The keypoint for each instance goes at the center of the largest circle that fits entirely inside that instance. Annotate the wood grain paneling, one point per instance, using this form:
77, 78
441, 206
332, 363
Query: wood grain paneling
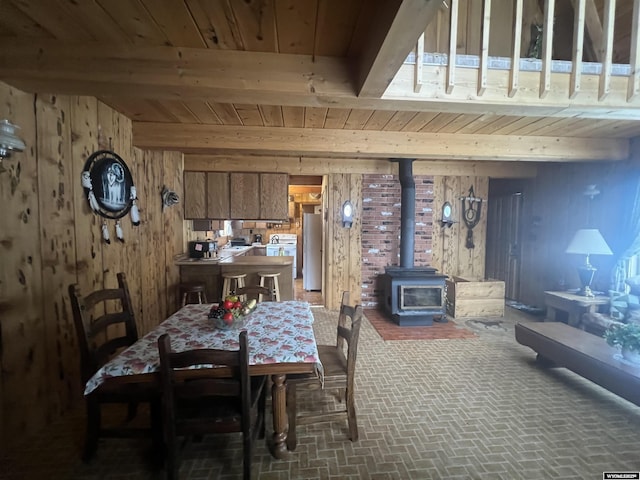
218, 195
195, 185
343, 250
55, 184
24, 381
174, 229
245, 195
49, 239
273, 200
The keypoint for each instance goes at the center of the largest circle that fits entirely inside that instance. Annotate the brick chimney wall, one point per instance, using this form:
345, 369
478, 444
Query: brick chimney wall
381, 228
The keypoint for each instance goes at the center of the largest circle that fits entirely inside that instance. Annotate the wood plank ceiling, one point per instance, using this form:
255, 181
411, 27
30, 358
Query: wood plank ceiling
316, 28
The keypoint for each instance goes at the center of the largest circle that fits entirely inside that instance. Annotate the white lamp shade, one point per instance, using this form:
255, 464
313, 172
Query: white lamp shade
588, 241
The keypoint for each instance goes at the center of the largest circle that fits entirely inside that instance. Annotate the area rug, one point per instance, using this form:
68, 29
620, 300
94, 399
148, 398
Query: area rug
388, 330
530, 309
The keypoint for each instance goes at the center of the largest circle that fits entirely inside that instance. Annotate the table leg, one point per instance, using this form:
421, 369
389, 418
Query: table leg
575, 315
551, 314
280, 420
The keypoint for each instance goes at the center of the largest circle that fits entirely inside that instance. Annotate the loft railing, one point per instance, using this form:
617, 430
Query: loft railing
472, 28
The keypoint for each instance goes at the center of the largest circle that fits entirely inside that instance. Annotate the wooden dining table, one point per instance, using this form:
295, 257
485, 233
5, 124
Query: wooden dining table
281, 342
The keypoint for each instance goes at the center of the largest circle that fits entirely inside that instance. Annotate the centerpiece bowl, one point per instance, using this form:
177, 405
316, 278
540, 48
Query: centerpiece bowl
231, 313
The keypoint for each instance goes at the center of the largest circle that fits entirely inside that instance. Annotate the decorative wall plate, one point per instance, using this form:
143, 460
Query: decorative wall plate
108, 180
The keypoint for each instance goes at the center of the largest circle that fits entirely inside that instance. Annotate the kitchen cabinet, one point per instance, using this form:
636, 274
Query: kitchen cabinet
235, 196
195, 195
206, 195
274, 196
218, 195
245, 195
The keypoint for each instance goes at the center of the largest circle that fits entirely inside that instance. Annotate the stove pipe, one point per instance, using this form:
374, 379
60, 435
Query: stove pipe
407, 212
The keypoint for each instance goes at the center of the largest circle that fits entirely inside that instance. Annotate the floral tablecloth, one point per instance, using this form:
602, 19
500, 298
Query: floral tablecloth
278, 332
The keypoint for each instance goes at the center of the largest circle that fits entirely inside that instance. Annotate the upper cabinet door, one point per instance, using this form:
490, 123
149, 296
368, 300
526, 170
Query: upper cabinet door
274, 191
218, 195
244, 195
194, 195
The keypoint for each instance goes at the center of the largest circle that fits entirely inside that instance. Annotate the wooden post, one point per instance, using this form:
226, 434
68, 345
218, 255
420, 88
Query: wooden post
547, 47
607, 48
418, 71
514, 74
578, 47
453, 40
634, 56
484, 50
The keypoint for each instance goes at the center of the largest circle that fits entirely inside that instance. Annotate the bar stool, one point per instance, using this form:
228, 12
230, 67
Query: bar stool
273, 280
193, 291
232, 281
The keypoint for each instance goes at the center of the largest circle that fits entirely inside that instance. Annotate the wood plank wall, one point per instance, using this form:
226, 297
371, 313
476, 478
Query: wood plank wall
449, 252
49, 239
342, 246
555, 208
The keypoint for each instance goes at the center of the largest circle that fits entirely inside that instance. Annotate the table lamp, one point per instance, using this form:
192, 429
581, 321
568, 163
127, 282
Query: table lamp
588, 241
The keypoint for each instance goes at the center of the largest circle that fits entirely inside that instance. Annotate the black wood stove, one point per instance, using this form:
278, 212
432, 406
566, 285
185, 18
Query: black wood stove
413, 296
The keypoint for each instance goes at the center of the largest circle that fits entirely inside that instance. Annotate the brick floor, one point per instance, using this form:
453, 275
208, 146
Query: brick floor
389, 330
471, 408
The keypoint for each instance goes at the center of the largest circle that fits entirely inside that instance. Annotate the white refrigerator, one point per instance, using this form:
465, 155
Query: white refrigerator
312, 251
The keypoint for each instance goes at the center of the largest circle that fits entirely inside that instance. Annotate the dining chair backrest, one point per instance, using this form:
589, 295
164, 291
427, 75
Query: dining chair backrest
226, 375
94, 318
256, 292
339, 374
218, 396
342, 319
350, 335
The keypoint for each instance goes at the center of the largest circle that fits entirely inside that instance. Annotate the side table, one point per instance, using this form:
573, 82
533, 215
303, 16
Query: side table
575, 305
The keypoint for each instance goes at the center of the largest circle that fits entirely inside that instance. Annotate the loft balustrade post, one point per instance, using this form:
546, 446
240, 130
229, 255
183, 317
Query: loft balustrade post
484, 49
453, 41
634, 56
604, 86
578, 48
418, 80
547, 47
514, 73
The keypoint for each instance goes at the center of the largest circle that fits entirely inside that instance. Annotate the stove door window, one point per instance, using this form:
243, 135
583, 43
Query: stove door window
420, 297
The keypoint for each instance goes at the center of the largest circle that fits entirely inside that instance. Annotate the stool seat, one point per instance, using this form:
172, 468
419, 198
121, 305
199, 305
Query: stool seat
193, 291
272, 277
231, 282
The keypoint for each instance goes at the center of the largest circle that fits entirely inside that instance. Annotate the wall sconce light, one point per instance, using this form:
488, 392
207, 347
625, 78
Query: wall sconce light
9, 142
347, 214
447, 215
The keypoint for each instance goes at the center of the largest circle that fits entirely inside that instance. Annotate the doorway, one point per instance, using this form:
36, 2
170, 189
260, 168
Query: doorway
305, 197
504, 233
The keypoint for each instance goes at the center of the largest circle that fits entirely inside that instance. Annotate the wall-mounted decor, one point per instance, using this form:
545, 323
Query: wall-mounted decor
109, 187
471, 211
169, 197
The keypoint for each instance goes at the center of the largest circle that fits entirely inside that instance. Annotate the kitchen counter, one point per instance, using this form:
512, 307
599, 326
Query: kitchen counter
210, 271
257, 260
223, 255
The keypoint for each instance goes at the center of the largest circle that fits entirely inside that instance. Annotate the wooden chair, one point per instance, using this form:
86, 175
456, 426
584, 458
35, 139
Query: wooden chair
223, 399
256, 291
94, 324
339, 372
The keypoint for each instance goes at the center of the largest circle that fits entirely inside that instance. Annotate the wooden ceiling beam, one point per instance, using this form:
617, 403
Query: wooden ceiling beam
254, 78
196, 138
324, 166
392, 34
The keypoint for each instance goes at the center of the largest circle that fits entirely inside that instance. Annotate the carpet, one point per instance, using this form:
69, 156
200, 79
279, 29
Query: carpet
530, 309
388, 330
